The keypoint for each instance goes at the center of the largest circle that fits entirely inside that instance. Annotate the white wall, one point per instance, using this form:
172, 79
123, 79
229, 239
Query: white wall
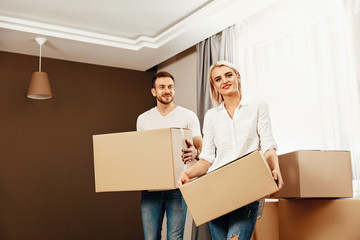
183, 68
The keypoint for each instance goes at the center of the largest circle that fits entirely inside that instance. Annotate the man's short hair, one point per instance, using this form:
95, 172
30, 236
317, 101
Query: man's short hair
160, 75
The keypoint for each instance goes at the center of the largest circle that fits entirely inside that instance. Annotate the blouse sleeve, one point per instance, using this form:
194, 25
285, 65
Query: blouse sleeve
264, 128
208, 148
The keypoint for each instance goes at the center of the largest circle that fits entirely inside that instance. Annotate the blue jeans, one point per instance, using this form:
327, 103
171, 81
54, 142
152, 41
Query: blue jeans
153, 207
239, 222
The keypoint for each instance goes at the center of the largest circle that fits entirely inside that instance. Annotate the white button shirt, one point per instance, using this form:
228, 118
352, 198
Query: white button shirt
227, 139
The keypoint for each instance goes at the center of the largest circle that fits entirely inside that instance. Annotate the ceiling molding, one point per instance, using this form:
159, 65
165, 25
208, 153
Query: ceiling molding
141, 53
57, 31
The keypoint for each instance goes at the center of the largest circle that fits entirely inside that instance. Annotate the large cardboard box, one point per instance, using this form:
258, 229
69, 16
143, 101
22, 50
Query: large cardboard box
144, 160
316, 174
228, 188
319, 219
267, 227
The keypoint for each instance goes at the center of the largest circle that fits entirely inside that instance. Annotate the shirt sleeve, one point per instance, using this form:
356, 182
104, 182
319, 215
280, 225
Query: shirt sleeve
208, 148
138, 124
194, 125
264, 128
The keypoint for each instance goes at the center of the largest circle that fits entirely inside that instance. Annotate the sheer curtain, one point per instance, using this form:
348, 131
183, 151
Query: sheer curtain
303, 58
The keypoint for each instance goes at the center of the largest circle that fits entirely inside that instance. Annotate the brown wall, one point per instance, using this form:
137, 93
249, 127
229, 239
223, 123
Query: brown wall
46, 159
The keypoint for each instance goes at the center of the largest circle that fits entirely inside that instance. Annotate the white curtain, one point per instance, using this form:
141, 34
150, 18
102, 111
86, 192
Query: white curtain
303, 58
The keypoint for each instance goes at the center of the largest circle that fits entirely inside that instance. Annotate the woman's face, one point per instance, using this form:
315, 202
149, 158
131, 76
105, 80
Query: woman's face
225, 80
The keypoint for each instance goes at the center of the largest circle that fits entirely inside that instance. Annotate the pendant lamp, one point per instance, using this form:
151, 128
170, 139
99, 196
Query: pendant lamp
39, 87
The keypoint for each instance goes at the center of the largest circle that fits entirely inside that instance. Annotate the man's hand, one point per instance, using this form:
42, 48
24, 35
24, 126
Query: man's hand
190, 153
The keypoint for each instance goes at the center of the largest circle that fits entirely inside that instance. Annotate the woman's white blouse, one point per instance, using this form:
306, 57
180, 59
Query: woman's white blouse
227, 139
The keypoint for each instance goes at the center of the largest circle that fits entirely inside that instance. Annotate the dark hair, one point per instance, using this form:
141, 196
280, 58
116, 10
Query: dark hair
160, 75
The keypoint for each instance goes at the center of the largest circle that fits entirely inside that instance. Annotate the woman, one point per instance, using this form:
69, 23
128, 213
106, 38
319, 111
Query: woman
234, 128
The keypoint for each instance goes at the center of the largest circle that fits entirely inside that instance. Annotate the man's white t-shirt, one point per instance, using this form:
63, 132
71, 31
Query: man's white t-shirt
178, 118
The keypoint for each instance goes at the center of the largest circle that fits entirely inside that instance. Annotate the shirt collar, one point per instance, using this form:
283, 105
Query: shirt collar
243, 102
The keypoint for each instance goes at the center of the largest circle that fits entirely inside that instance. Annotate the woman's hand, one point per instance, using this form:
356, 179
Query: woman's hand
190, 153
199, 168
273, 161
183, 178
278, 179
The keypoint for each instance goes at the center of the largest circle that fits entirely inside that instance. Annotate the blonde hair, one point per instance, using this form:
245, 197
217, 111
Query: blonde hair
215, 96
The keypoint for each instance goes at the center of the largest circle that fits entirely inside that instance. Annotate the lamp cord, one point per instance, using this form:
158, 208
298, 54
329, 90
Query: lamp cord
40, 59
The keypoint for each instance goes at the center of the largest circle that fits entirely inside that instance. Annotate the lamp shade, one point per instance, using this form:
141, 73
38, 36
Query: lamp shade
39, 86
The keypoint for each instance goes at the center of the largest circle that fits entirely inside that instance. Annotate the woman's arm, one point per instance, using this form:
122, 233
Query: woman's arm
267, 142
273, 161
196, 170
208, 152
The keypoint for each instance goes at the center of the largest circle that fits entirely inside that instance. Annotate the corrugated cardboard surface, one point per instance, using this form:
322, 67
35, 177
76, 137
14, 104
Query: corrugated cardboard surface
141, 160
290, 171
316, 174
267, 227
228, 188
178, 143
319, 219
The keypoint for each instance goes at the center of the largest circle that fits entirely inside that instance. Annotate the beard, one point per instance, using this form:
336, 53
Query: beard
165, 100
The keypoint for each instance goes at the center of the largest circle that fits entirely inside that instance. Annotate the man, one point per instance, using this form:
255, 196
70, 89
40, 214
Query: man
166, 115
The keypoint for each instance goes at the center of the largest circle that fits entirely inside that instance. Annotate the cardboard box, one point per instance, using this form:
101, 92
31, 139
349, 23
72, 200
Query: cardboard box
267, 227
252, 237
144, 160
319, 219
228, 188
316, 174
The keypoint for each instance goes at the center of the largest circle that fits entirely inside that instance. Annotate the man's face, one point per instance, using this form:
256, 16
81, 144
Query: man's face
164, 90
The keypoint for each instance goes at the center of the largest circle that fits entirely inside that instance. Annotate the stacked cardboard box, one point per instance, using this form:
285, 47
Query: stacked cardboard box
315, 202
316, 174
319, 219
267, 227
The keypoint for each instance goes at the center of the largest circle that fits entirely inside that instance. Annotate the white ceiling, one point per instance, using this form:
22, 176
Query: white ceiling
133, 34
